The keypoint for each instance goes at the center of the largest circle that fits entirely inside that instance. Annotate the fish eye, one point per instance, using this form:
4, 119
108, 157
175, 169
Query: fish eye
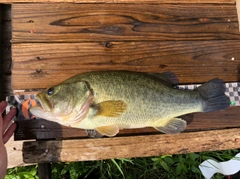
50, 91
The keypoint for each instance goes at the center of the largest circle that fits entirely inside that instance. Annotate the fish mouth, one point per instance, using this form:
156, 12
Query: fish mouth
45, 103
82, 113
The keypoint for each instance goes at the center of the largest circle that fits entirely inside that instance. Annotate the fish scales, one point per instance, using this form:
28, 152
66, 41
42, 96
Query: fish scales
113, 100
141, 94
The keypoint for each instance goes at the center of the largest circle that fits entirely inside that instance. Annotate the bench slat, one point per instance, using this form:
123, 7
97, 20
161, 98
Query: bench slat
127, 147
123, 22
121, 1
39, 65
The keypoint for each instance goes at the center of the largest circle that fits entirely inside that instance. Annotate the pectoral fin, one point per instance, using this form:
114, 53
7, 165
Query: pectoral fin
174, 126
111, 108
110, 131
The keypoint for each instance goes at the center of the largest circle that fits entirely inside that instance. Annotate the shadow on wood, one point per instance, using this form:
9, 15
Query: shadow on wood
41, 129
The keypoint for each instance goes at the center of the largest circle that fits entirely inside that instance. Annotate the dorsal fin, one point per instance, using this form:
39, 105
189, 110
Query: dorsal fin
168, 77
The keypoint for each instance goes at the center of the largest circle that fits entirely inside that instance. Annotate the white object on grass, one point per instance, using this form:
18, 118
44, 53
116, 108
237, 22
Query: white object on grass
210, 167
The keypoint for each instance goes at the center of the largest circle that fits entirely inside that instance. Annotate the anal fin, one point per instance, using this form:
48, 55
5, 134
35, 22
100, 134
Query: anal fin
174, 126
110, 131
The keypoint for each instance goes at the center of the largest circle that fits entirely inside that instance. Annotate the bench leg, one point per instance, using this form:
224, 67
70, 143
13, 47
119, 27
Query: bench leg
44, 171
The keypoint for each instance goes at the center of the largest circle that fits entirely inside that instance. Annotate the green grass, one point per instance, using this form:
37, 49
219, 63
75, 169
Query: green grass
166, 167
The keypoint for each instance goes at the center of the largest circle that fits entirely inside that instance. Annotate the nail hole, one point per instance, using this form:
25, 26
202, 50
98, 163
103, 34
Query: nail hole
39, 70
237, 140
38, 58
108, 44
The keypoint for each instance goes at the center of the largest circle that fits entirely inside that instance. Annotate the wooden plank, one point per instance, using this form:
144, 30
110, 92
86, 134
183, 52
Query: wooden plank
121, 1
6, 80
42, 129
128, 147
6, 47
6, 13
238, 11
14, 151
123, 22
42, 65
44, 171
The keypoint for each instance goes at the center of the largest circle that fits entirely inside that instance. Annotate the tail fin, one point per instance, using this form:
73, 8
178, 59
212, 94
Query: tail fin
213, 93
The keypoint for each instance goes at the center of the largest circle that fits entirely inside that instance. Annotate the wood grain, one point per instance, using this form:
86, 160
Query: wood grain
39, 65
128, 147
121, 1
238, 11
14, 151
123, 22
42, 129
44, 171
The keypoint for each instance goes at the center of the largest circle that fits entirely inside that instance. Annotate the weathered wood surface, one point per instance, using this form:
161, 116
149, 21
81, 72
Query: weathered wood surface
40, 65
14, 151
44, 171
122, 1
123, 22
52, 42
133, 146
42, 129
238, 11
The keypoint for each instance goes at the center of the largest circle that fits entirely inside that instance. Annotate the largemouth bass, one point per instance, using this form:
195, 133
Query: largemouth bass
113, 100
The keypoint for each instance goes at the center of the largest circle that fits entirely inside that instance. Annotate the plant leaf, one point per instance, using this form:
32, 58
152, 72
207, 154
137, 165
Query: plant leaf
119, 168
163, 164
178, 169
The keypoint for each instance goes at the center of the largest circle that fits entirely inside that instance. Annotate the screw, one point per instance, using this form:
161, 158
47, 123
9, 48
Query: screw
46, 151
107, 44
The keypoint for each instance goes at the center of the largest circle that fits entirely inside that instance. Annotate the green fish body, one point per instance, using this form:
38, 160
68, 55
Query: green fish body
114, 100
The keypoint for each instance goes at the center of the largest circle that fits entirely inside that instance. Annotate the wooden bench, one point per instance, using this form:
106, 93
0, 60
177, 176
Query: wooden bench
196, 40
